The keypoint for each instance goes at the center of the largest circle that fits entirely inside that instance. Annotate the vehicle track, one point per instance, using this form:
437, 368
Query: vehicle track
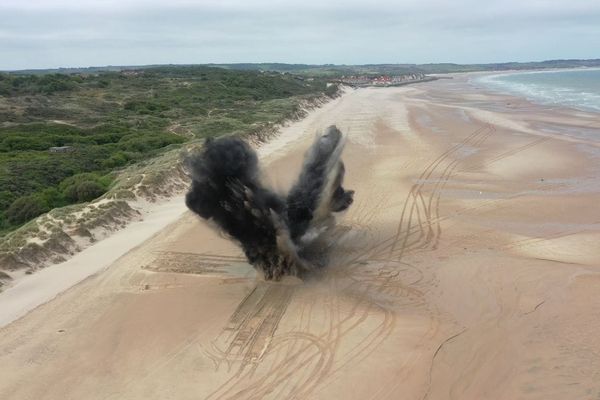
366, 279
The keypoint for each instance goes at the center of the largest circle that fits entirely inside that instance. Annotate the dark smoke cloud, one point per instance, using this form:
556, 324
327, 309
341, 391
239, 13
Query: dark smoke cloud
276, 232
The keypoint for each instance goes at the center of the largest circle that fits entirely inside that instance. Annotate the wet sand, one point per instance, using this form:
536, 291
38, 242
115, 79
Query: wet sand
467, 268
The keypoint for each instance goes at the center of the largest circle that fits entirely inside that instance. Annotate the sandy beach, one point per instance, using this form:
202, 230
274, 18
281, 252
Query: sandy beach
467, 268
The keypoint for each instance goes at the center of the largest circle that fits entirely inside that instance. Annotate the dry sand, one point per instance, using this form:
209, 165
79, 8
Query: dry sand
468, 268
29, 291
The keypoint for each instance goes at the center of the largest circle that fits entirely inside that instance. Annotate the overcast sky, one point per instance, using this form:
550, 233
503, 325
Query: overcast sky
70, 33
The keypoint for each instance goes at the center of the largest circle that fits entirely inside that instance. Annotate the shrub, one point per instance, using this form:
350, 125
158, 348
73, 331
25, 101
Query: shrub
89, 190
53, 198
25, 208
118, 159
83, 187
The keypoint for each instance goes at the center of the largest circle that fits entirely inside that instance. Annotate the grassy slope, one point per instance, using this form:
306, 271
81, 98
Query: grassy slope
195, 102
113, 120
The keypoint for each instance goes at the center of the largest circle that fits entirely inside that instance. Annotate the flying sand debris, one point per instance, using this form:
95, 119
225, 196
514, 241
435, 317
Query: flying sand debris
280, 235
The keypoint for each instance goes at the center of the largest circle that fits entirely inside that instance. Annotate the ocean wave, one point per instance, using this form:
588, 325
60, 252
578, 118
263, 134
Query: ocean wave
574, 88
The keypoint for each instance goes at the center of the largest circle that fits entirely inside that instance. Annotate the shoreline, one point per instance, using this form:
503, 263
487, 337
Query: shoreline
28, 291
552, 125
467, 267
488, 82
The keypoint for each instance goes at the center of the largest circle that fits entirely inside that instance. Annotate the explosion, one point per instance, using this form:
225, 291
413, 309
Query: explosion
277, 233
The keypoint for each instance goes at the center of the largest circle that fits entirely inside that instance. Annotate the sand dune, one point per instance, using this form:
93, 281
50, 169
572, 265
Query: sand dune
467, 268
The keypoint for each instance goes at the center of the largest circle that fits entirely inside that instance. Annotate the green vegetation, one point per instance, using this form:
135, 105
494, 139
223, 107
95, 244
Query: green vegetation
336, 70
332, 70
45, 84
63, 136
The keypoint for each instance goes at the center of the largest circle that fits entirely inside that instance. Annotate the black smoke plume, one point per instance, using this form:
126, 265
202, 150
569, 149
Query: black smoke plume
276, 232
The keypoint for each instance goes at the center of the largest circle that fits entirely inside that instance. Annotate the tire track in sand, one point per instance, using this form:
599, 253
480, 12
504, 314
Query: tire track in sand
318, 356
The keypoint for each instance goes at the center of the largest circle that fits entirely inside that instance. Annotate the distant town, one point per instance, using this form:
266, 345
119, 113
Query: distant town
384, 80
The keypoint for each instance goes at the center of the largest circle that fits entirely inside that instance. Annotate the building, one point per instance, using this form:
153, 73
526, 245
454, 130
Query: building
61, 149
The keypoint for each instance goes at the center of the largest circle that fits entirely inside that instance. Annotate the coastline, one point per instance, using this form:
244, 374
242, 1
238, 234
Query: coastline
554, 122
28, 291
466, 268
539, 93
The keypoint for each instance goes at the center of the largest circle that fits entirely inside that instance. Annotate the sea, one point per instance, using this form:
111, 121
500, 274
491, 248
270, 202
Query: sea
577, 88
